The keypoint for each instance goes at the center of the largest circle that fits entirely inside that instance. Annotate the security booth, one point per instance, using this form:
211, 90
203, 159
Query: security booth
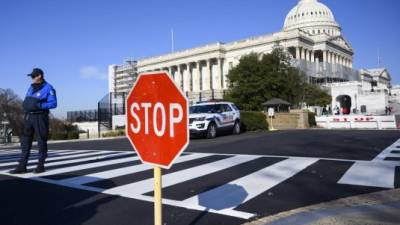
277, 104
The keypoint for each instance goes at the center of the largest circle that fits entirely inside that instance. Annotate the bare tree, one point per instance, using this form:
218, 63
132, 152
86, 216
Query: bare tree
11, 104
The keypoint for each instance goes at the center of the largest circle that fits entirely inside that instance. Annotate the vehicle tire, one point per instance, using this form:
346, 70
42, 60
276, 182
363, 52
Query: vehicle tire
236, 128
211, 131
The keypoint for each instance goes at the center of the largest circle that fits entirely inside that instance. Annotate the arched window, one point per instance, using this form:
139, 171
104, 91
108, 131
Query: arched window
311, 13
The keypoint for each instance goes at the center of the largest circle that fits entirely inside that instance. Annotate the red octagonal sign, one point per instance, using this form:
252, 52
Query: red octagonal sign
157, 119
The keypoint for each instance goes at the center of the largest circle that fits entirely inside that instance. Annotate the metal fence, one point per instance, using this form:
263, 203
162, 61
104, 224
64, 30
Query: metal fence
110, 105
82, 116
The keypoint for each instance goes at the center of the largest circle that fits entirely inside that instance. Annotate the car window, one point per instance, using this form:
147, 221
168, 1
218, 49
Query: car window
227, 108
204, 109
235, 107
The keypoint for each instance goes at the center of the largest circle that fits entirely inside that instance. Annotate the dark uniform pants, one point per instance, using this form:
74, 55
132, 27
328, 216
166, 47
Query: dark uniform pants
35, 124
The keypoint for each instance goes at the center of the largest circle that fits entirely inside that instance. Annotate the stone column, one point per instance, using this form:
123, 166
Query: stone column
325, 56
206, 75
210, 75
307, 53
170, 72
196, 78
312, 56
201, 76
223, 78
303, 54
178, 77
218, 76
297, 53
336, 57
186, 78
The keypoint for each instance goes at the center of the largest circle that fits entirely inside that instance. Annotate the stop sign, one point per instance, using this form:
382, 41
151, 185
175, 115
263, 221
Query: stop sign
157, 119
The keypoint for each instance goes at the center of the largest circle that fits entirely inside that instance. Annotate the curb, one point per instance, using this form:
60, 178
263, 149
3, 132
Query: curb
342, 211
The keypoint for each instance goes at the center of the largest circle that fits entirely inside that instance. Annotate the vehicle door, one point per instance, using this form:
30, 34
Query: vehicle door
228, 114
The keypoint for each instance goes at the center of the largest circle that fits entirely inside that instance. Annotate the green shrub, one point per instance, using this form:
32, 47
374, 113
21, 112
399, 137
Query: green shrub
64, 135
58, 136
73, 135
114, 133
311, 119
251, 120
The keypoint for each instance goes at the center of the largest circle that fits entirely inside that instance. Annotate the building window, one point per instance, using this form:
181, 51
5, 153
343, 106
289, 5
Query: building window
311, 13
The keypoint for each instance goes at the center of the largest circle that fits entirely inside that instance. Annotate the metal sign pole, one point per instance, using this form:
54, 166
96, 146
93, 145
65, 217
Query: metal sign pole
157, 196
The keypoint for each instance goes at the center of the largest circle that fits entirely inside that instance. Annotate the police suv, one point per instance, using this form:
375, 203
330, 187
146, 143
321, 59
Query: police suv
208, 118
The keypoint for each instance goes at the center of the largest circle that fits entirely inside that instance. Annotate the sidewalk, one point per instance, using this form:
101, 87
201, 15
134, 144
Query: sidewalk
379, 208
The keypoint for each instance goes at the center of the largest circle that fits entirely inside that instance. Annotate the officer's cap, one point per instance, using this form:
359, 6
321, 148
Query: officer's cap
36, 72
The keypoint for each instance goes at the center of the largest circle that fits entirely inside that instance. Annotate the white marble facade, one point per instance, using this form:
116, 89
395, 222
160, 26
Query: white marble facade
310, 35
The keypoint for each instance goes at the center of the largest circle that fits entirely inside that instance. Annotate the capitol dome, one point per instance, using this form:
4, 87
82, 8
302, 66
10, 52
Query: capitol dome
313, 17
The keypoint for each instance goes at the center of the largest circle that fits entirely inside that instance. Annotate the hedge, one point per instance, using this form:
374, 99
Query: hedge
251, 120
311, 119
64, 135
114, 133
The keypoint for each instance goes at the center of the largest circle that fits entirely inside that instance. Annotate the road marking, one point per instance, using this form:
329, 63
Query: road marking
232, 194
124, 171
83, 166
145, 186
54, 157
372, 174
222, 199
376, 173
17, 154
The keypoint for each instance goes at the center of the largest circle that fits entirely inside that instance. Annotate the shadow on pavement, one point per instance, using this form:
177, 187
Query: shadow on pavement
25, 201
222, 197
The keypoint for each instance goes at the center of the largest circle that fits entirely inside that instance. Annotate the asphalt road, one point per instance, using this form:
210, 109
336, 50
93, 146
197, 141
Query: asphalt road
228, 180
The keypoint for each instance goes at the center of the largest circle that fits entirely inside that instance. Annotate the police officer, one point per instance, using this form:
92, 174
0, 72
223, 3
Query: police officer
40, 98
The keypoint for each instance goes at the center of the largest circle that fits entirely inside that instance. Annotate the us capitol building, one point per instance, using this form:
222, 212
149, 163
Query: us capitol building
311, 37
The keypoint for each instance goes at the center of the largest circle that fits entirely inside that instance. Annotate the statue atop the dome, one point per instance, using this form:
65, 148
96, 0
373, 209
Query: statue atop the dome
307, 1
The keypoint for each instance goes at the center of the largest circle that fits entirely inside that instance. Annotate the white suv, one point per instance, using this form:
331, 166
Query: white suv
208, 118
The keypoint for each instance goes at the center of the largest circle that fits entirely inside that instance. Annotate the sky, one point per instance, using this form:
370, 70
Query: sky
74, 41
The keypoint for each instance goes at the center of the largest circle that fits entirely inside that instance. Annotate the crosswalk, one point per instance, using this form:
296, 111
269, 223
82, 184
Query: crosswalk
220, 183
380, 172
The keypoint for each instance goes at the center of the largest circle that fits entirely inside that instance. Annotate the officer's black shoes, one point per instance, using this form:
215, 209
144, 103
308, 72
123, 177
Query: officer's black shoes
19, 170
39, 169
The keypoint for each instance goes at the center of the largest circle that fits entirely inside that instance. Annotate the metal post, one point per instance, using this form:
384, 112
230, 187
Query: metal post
157, 196
98, 119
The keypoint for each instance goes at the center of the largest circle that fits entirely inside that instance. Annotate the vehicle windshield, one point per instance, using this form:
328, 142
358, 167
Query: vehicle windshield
204, 109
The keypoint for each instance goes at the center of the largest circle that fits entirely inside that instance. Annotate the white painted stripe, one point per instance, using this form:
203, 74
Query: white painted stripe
60, 157
393, 155
145, 186
387, 151
231, 195
372, 174
81, 167
8, 151
34, 155
124, 171
238, 214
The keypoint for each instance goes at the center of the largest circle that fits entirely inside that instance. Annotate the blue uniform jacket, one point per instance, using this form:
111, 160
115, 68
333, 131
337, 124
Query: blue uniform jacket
42, 99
